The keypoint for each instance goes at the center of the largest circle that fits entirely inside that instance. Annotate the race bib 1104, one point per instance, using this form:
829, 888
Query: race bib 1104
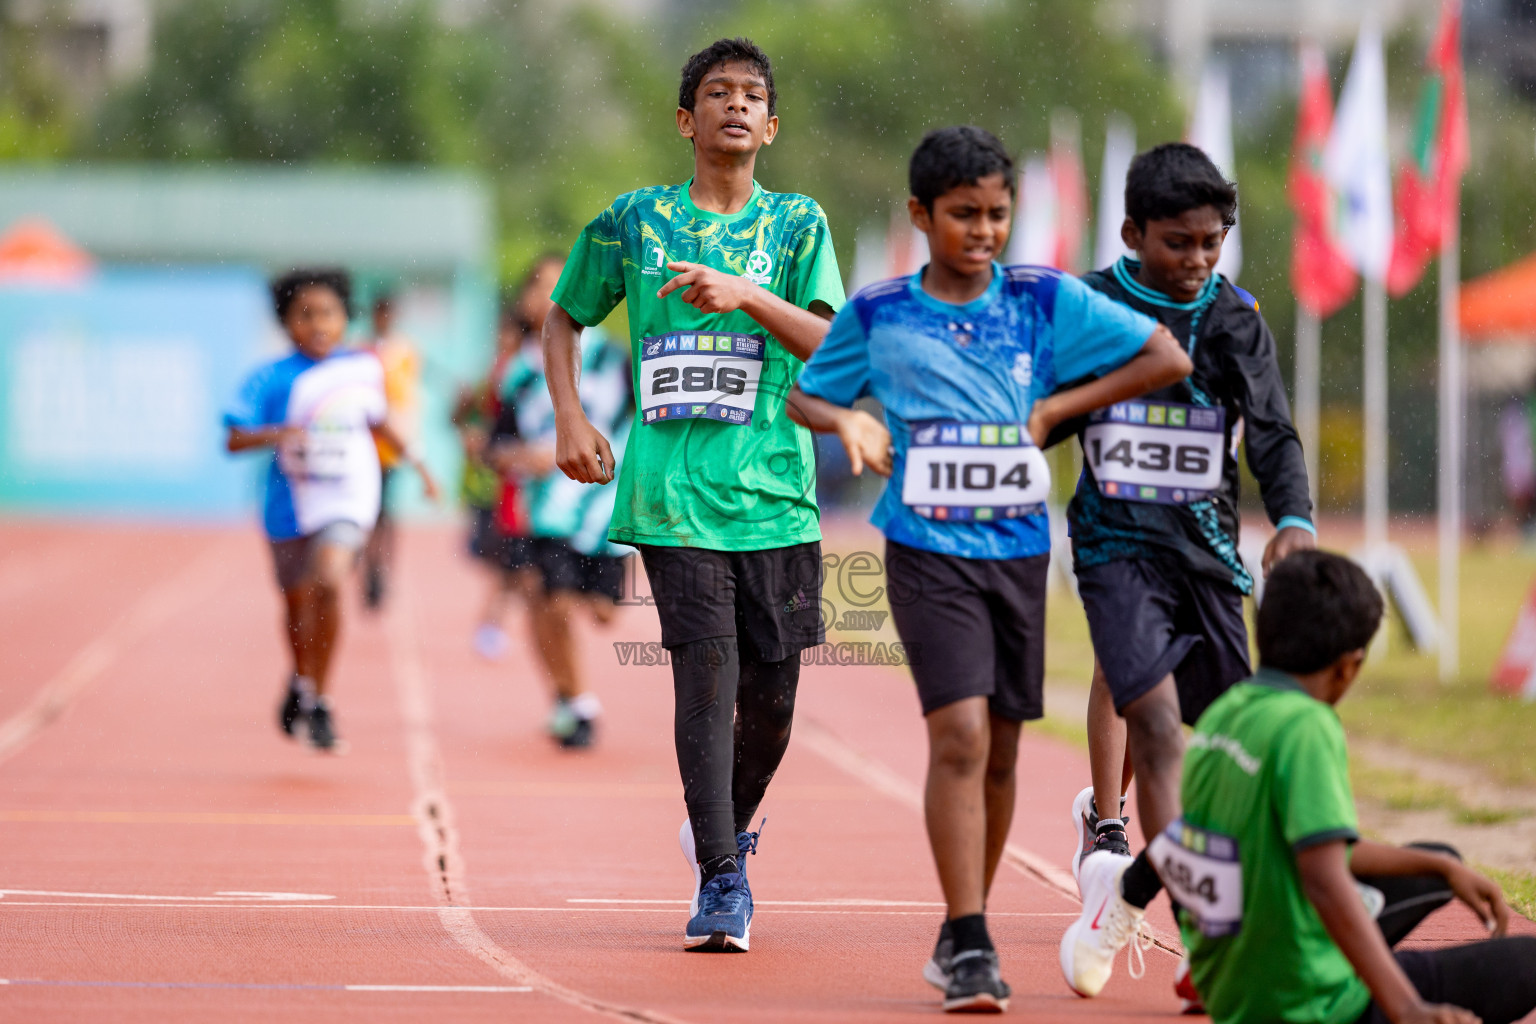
1160, 452
973, 472
1202, 872
693, 376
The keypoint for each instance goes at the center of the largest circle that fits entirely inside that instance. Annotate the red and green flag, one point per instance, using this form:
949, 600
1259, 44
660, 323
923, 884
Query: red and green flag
1321, 274
1429, 181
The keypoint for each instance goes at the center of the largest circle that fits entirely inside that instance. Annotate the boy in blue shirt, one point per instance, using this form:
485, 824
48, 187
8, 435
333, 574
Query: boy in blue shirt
965, 356
318, 412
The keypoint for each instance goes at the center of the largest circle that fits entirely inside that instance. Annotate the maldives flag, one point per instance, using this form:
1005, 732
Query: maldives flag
1321, 275
1428, 181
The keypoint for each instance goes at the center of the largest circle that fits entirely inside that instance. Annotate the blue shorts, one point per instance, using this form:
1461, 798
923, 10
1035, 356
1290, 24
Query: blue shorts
1148, 619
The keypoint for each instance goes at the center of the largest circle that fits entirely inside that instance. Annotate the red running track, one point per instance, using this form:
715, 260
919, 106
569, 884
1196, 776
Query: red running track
167, 856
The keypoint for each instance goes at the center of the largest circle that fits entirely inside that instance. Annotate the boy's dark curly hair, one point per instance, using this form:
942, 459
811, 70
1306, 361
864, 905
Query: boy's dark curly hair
285, 288
725, 51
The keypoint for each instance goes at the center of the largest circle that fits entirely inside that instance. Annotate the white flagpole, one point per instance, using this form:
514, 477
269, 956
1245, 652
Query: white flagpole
1309, 336
1375, 422
1452, 425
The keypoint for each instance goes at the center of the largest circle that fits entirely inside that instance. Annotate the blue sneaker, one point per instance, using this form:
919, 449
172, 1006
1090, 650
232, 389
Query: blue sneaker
746, 842
723, 923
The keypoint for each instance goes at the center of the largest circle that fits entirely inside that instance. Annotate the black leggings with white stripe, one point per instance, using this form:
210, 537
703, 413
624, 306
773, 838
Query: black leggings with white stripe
1495, 979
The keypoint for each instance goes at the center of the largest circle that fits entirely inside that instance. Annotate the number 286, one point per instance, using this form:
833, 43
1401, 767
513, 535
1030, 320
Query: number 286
728, 380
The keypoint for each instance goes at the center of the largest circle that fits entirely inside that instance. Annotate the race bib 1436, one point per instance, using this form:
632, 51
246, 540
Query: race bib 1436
973, 472
1202, 872
692, 376
1160, 452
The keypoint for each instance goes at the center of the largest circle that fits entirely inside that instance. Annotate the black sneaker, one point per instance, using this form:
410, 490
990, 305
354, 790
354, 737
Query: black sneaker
579, 736
292, 711
373, 586
322, 733
974, 984
936, 970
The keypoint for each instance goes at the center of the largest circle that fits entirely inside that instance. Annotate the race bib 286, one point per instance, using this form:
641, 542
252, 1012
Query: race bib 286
692, 376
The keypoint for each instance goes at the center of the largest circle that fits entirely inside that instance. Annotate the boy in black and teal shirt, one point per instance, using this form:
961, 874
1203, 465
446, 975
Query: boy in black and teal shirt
1154, 527
1267, 864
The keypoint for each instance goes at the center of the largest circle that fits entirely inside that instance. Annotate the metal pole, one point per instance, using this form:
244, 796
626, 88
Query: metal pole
1309, 338
1375, 423
1452, 425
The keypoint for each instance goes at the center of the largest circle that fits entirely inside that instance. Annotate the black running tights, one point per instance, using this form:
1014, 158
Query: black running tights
1495, 979
726, 767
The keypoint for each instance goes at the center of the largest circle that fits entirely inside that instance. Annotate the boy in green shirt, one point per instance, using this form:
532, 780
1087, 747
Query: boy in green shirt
1277, 890
730, 289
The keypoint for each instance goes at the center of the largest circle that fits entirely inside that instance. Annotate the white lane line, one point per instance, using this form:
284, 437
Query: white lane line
438, 988
784, 903
223, 896
440, 840
280, 986
881, 777
55, 696
844, 911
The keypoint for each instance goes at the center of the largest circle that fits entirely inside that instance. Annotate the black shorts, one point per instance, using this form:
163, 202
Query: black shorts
972, 627
484, 541
770, 600
565, 568
1148, 619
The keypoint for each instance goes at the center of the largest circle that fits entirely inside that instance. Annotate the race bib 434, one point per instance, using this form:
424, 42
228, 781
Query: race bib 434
1160, 452
973, 472
1202, 872
691, 376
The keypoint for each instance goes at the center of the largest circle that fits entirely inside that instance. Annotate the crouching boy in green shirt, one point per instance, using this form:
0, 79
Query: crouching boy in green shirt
1278, 891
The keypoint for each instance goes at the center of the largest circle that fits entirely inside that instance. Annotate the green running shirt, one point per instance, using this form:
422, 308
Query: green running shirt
694, 481
1267, 766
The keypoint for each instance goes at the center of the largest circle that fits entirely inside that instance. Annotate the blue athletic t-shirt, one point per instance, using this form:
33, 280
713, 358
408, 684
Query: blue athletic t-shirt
982, 362
332, 473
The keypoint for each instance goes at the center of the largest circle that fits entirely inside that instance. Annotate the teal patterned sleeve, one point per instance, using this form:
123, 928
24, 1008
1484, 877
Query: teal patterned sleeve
814, 276
593, 280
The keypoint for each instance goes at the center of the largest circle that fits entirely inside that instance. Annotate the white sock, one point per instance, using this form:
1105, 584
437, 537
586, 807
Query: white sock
307, 696
586, 706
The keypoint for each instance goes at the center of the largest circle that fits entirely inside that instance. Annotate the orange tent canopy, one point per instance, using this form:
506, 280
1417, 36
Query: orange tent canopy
34, 250
1501, 306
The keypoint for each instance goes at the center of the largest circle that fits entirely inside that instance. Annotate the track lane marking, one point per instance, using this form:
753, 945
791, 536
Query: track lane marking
266, 987
883, 778
4, 904
222, 896
440, 840
202, 818
58, 694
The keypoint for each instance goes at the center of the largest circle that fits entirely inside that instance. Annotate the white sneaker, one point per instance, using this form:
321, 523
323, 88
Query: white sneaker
1082, 807
1106, 926
685, 840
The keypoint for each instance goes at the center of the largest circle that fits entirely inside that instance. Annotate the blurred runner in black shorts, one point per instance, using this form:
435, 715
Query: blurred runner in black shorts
566, 562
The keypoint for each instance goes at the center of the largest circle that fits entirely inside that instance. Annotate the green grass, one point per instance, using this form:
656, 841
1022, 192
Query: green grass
1399, 698
1519, 889
1399, 791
